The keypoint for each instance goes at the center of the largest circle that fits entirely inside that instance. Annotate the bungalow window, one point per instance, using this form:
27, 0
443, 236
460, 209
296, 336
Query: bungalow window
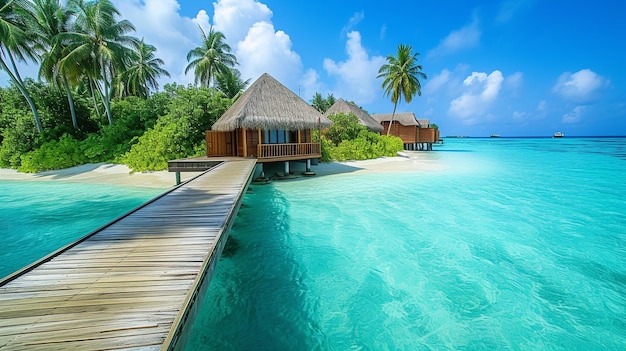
274, 136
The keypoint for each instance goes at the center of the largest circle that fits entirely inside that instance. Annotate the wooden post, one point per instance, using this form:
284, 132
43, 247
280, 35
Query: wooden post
308, 165
299, 138
245, 143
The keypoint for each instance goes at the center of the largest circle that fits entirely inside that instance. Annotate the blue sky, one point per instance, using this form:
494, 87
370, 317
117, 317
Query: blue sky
515, 68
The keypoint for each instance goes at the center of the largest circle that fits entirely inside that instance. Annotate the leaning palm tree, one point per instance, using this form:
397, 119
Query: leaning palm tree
214, 56
99, 45
17, 45
401, 76
51, 19
230, 83
143, 71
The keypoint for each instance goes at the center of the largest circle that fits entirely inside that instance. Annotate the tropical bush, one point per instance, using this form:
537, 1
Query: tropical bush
346, 140
367, 145
55, 154
180, 133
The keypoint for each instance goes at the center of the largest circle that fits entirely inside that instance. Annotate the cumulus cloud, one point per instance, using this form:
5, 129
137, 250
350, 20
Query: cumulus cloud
235, 17
356, 77
266, 50
173, 37
466, 37
574, 116
581, 86
480, 91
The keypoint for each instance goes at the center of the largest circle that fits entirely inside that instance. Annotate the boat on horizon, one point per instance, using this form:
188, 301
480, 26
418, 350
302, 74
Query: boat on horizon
494, 135
558, 135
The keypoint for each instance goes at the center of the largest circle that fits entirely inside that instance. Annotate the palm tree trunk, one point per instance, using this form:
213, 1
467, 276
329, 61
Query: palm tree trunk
93, 96
22, 89
392, 115
70, 101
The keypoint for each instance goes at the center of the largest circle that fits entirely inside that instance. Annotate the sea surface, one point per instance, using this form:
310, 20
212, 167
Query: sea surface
507, 244
39, 217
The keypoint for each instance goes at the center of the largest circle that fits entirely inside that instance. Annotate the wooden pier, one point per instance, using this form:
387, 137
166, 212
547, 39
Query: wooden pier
133, 283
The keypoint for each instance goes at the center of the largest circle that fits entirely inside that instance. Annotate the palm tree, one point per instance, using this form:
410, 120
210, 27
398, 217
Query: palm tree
16, 44
401, 76
321, 104
52, 18
212, 57
143, 71
230, 83
98, 44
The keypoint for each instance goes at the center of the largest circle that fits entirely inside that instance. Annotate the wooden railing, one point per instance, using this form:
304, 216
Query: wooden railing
288, 150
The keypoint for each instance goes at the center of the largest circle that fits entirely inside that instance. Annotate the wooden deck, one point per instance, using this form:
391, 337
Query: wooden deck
132, 283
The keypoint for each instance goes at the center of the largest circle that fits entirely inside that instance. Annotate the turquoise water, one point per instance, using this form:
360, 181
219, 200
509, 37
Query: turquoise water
507, 244
511, 244
38, 217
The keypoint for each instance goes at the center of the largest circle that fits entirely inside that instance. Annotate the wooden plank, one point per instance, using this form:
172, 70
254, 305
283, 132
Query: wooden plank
127, 285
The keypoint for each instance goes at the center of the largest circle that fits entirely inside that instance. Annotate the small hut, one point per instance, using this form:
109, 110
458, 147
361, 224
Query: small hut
342, 106
415, 134
268, 122
404, 126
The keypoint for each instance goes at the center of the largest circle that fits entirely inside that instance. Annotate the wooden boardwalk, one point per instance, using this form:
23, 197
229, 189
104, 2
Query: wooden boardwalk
131, 284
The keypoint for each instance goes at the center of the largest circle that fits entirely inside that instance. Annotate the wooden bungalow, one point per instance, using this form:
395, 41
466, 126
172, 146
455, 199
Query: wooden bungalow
342, 106
415, 134
268, 122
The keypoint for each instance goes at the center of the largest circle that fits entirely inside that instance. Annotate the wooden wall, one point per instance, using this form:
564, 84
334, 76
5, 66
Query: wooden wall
219, 144
408, 134
427, 135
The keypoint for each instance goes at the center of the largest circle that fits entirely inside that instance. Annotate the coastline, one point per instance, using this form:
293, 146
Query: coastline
118, 174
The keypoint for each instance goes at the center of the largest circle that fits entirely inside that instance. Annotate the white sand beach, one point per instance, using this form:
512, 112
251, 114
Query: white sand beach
101, 173
116, 174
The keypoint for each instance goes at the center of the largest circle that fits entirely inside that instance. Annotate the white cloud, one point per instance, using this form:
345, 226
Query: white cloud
481, 90
466, 37
437, 81
174, 36
581, 86
265, 50
310, 84
354, 20
356, 77
574, 116
235, 17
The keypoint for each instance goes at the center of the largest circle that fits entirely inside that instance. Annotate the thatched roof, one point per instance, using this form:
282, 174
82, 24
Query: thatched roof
423, 122
342, 106
267, 104
404, 118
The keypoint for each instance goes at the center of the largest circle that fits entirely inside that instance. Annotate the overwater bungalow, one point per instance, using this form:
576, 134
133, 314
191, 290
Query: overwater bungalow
415, 134
342, 106
270, 123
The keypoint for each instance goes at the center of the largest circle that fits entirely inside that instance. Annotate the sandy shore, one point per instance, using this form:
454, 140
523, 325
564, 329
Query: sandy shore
101, 173
115, 174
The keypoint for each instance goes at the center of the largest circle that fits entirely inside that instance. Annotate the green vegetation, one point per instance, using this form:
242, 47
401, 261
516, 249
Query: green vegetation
97, 97
346, 140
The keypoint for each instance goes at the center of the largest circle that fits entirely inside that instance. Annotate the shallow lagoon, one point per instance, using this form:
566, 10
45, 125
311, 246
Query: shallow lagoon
510, 244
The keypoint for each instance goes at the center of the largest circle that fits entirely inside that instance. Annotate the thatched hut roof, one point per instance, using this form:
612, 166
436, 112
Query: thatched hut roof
342, 106
404, 118
267, 104
423, 122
